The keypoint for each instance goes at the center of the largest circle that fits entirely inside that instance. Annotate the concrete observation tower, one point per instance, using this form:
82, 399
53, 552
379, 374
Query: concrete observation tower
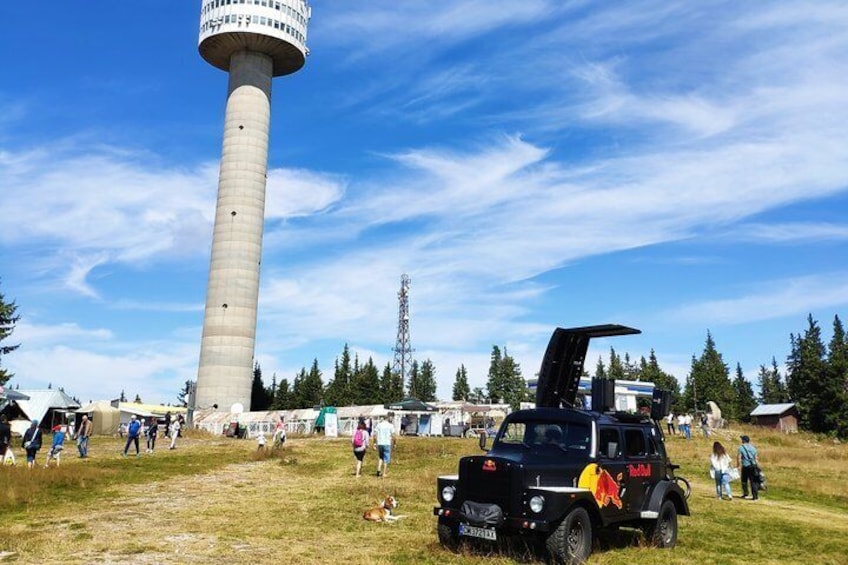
254, 41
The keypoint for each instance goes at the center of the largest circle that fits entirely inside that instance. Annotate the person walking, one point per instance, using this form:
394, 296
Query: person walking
174, 431
56, 446
6, 450
705, 425
748, 461
385, 436
720, 464
687, 425
280, 433
669, 422
133, 433
32, 443
83, 433
152, 433
359, 440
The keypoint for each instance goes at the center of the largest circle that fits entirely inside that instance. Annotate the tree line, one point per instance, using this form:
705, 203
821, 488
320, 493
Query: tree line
816, 380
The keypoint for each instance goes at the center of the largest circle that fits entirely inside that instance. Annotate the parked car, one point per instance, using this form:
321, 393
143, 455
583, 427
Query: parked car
557, 474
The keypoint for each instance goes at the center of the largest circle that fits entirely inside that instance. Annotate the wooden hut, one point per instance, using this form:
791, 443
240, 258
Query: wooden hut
783, 417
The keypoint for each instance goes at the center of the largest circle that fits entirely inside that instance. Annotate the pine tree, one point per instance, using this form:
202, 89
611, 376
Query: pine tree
427, 382
283, 397
338, 390
123, 397
600, 370
477, 395
259, 400
807, 365
414, 387
137, 399
834, 389
515, 387
313, 386
365, 386
391, 386
709, 379
8, 319
494, 382
744, 402
460, 385
616, 368
650, 371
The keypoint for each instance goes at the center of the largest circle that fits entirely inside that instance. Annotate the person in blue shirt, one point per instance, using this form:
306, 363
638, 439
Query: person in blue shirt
57, 446
746, 459
133, 432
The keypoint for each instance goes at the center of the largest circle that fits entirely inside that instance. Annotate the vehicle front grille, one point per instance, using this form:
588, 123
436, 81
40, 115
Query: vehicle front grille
491, 480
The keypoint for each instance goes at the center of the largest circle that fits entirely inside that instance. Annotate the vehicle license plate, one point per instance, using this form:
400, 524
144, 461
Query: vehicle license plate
475, 532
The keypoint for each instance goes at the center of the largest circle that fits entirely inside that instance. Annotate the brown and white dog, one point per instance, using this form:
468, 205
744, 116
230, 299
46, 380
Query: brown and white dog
383, 512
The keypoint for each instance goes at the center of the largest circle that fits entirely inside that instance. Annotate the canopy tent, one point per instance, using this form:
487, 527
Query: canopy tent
319, 421
104, 417
411, 405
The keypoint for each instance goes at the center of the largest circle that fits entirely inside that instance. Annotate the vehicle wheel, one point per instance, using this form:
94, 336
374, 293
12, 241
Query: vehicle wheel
448, 537
571, 542
663, 532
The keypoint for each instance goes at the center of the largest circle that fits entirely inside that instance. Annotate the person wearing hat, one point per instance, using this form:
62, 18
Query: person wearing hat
746, 459
57, 446
32, 443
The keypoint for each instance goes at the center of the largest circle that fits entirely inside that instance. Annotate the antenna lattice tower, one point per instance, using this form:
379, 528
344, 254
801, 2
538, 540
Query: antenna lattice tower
403, 347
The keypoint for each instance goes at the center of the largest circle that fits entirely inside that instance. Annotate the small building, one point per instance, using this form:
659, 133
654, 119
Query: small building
783, 417
50, 407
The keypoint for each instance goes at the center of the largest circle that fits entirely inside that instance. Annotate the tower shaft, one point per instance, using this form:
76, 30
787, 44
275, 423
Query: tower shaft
403, 346
225, 372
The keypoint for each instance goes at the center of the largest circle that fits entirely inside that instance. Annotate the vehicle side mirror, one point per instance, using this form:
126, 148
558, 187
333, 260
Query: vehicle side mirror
483, 437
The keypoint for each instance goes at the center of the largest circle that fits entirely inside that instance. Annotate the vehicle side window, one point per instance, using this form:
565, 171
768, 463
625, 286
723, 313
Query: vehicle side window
610, 444
513, 433
634, 441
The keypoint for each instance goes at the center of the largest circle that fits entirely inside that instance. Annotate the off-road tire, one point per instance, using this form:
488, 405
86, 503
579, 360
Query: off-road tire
571, 542
448, 537
662, 532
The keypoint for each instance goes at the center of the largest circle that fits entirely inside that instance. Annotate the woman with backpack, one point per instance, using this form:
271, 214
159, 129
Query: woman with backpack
360, 440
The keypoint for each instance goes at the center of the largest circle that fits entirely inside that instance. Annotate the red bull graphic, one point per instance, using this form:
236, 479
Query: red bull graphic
489, 465
603, 486
639, 470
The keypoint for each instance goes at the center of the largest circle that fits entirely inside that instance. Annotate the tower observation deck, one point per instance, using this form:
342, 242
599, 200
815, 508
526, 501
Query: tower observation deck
253, 40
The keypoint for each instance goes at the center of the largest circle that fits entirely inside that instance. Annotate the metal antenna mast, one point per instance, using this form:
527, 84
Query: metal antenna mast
403, 348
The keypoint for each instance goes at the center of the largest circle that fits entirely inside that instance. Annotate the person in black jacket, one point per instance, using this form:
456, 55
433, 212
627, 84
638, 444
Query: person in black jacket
32, 443
5, 440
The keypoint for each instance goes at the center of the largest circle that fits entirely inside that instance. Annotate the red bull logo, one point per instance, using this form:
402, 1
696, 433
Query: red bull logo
489, 465
604, 487
639, 470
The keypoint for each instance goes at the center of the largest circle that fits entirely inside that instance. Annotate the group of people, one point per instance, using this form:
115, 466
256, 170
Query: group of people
722, 469
151, 432
33, 438
384, 441
684, 424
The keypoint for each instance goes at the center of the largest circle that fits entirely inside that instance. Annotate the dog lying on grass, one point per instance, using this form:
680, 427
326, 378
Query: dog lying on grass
383, 512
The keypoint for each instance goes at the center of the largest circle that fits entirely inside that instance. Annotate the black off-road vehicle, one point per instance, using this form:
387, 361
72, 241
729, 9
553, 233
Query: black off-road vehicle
557, 474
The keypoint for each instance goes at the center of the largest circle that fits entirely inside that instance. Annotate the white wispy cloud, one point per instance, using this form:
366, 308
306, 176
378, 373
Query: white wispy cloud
794, 297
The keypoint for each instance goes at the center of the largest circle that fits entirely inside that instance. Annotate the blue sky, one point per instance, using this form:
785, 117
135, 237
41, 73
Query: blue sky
677, 167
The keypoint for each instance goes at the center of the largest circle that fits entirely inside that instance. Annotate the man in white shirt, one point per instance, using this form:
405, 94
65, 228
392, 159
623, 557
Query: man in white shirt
385, 439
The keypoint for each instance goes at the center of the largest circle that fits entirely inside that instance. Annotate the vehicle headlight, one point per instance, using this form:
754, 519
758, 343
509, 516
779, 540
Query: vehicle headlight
448, 493
537, 503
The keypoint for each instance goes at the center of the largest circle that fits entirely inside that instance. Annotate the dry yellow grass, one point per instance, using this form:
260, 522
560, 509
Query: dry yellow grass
215, 499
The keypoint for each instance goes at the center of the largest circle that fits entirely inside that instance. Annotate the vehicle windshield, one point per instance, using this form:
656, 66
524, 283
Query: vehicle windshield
565, 436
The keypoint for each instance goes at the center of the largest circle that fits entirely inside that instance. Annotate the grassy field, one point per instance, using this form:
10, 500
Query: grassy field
219, 499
